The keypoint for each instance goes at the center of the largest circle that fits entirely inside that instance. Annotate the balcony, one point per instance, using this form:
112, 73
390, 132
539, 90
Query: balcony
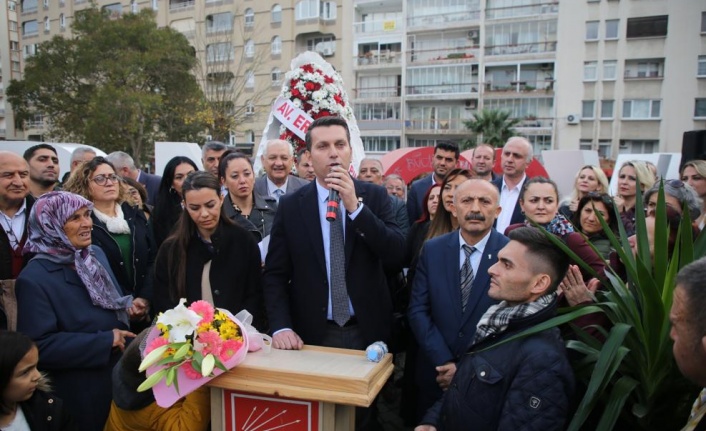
446, 20
181, 6
382, 26
379, 58
531, 125
468, 54
376, 93
376, 125
520, 88
36, 124
448, 126
29, 9
521, 48
462, 90
535, 10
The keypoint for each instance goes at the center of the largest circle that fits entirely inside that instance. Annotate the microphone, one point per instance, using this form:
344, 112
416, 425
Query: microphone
332, 205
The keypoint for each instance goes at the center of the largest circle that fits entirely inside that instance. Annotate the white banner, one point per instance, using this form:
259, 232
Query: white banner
292, 117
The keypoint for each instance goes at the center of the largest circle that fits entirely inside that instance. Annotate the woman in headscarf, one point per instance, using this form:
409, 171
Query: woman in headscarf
70, 304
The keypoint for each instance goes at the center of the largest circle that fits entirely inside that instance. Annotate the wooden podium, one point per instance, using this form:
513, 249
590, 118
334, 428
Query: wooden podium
313, 389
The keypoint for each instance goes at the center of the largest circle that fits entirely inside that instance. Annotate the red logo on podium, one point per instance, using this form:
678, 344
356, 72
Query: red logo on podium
245, 412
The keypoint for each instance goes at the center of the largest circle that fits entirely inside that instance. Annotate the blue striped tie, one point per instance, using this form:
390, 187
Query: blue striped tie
466, 276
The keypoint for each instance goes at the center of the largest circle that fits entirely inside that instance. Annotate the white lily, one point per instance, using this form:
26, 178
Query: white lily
181, 322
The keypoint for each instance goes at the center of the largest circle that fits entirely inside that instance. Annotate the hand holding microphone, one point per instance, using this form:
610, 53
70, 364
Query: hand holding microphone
341, 190
332, 205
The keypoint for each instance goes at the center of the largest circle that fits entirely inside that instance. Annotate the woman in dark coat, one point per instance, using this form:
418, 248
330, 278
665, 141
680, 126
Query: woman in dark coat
70, 304
203, 234
168, 206
120, 230
242, 204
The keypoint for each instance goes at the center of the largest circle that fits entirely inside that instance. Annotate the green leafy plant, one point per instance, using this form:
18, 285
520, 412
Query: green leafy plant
493, 127
630, 378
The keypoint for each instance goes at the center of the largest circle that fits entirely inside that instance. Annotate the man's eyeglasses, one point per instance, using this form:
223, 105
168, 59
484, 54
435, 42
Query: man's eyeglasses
102, 180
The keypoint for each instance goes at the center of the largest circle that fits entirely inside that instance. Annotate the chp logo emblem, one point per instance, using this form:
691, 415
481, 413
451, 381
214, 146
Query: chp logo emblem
535, 402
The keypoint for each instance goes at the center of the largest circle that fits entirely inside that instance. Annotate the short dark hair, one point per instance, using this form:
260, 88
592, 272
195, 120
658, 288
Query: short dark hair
538, 180
213, 146
29, 153
447, 146
326, 122
231, 155
691, 279
13, 347
546, 256
597, 197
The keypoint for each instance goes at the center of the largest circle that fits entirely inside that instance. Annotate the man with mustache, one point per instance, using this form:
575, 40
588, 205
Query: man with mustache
43, 169
450, 290
15, 204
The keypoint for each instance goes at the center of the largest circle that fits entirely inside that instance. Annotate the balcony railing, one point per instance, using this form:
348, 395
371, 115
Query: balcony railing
519, 11
466, 88
217, 30
376, 92
452, 124
531, 122
443, 19
383, 57
386, 124
29, 9
34, 124
634, 74
447, 55
181, 5
382, 26
521, 86
521, 48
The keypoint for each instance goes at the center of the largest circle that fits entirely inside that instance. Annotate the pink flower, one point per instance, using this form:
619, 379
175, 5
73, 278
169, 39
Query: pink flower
211, 343
190, 372
229, 349
203, 309
157, 342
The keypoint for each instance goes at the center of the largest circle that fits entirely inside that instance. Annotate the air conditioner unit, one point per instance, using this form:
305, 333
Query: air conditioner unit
327, 51
573, 118
471, 104
473, 34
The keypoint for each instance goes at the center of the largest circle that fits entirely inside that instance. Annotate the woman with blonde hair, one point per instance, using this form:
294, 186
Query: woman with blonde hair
694, 174
633, 177
588, 179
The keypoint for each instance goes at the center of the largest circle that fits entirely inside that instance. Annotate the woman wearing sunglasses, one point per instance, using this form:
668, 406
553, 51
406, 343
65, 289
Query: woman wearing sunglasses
586, 219
121, 231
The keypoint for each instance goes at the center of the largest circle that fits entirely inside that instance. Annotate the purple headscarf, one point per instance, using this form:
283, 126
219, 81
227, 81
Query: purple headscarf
48, 240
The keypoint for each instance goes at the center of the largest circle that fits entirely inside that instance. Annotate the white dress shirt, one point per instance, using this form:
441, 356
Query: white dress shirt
15, 225
508, 201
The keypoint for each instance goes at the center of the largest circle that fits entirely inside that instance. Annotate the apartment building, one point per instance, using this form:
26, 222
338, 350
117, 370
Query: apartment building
10, 57
244, 46
589, 74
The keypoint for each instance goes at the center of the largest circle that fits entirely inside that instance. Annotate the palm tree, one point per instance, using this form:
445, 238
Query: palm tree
493, 127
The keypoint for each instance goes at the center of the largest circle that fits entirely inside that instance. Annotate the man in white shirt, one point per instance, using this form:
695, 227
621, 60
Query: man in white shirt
516, 156
277, 160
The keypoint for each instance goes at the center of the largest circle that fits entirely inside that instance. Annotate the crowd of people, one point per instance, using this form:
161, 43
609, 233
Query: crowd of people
446, 271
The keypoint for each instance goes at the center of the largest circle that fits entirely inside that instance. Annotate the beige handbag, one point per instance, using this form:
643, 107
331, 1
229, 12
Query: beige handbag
8, 302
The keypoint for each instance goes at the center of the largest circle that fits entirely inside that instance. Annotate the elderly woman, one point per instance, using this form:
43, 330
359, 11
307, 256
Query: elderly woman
250, 210
209, 257
588, 179
694, 174
120, 230
70, 304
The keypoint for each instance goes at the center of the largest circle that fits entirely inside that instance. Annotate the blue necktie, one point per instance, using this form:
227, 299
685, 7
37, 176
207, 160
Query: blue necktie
466, 276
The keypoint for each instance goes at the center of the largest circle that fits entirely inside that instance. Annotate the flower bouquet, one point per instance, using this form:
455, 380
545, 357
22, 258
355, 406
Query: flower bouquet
190, 346
311, 89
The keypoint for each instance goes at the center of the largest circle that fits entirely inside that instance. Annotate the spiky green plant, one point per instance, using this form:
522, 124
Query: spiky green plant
630, 378
493, 127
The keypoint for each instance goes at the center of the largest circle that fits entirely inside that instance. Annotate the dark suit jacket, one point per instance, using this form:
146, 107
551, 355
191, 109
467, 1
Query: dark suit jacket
293, 184
416, 195
400, 211
517, 216
295, 279
442, 330
151, 183
6, 248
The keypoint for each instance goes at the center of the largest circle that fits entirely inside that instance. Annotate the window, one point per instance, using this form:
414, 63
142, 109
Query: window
155, 4
14, 45
250, 79
607, 108
700, 108
638, 147
250, 48
15, 66
29, 28
328, 10
701, 70
249, 18
641, 109
276, 14
115, 9
13, 25
611, 28
45, 4
703, 22
219, 52
276, 45
47, 25
649, 26
219, 22
30, 50
588, 108
307, 9
276, 76
249, 108
29, 5
590, 70
591, 30
12, 5
133, 6
381, 144
610, 70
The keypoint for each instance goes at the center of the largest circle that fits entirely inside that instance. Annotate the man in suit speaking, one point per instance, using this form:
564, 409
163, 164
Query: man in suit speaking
324, 281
